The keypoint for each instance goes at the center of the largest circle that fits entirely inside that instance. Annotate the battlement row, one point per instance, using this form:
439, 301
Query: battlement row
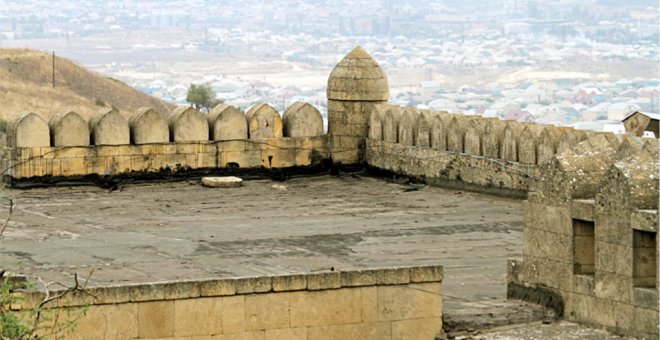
528, 143
147, 126
602, 161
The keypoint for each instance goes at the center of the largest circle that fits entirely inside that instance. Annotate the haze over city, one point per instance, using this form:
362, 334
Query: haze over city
330, 170
582, 63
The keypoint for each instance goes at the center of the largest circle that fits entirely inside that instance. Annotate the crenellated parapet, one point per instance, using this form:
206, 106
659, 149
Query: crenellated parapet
148, 126
68, 128
302, 120
109, 127
27, 130
149, 141
227, 123
487, 152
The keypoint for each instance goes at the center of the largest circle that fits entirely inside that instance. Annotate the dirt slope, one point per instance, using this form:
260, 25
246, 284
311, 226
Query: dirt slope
26, 85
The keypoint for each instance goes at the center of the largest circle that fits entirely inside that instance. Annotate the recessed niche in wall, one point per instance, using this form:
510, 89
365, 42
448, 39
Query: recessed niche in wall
645, 268
583, 247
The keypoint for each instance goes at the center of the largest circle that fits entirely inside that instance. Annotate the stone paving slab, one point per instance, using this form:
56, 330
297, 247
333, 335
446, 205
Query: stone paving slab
181, 230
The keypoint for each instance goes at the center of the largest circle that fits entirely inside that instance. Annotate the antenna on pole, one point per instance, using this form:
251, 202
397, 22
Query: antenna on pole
53, 69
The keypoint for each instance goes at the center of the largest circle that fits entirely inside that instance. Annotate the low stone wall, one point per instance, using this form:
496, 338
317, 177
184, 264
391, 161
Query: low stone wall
391, 303
452, 169
108, 160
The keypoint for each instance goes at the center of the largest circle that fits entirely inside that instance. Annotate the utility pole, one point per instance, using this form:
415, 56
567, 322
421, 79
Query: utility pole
53, 69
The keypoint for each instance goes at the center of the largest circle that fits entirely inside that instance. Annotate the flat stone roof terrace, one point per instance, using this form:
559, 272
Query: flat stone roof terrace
181, 231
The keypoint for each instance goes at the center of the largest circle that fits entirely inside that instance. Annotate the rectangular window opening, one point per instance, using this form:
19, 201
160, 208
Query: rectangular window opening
584, 249
645, 267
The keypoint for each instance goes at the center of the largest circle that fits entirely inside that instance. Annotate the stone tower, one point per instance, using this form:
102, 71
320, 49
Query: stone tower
356, 87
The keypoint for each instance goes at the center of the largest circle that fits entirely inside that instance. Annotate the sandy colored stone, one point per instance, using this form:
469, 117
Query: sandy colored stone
256, 284
422, 132
363, 331
148, 126
416, 329
358, 77
548, 245
233, 314
181, 290
68, 128
267, 311
258, 335
646, 220
509, 146
438, 134
413, 301
472, 139
629, 146
109, 321
263, 122
199, 316
358, 278
156, 319
227, 123
391, 125
222, 182
289, 282
527, 146
426, 274
369, 304
376, 125
288, 334
326, 307
358, 130
491, 139
109, 127
455, 136
567, 140
389, 276
320, 281
187, 125
356, 87
28, 130
545, 151
407, 126
302, 120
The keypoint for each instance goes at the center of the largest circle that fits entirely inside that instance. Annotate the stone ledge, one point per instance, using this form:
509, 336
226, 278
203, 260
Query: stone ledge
582, 209
175, 290
645, 220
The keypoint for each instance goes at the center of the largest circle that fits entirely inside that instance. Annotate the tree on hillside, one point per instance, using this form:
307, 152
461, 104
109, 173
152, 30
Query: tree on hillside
202, 96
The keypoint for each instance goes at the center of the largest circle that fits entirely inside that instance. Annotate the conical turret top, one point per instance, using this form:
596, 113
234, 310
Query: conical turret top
358, 77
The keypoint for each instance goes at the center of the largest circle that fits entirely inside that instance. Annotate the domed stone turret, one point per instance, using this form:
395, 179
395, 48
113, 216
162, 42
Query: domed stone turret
357, 86
358, 77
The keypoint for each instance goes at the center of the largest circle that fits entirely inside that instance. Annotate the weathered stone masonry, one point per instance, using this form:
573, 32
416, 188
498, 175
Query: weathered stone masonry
590, 238
150, 142
386, 303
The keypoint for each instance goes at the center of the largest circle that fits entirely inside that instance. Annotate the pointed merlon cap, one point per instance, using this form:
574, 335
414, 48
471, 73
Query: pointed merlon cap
358, 77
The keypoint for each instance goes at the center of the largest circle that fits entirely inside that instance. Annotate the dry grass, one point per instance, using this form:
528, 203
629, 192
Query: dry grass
26, 85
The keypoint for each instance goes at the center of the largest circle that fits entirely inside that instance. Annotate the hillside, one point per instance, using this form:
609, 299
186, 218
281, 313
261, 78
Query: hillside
26, 85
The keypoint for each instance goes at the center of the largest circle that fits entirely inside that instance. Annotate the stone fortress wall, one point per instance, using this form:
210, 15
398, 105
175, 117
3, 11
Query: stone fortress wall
465, 151
590, 236
185, 139
591, 215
